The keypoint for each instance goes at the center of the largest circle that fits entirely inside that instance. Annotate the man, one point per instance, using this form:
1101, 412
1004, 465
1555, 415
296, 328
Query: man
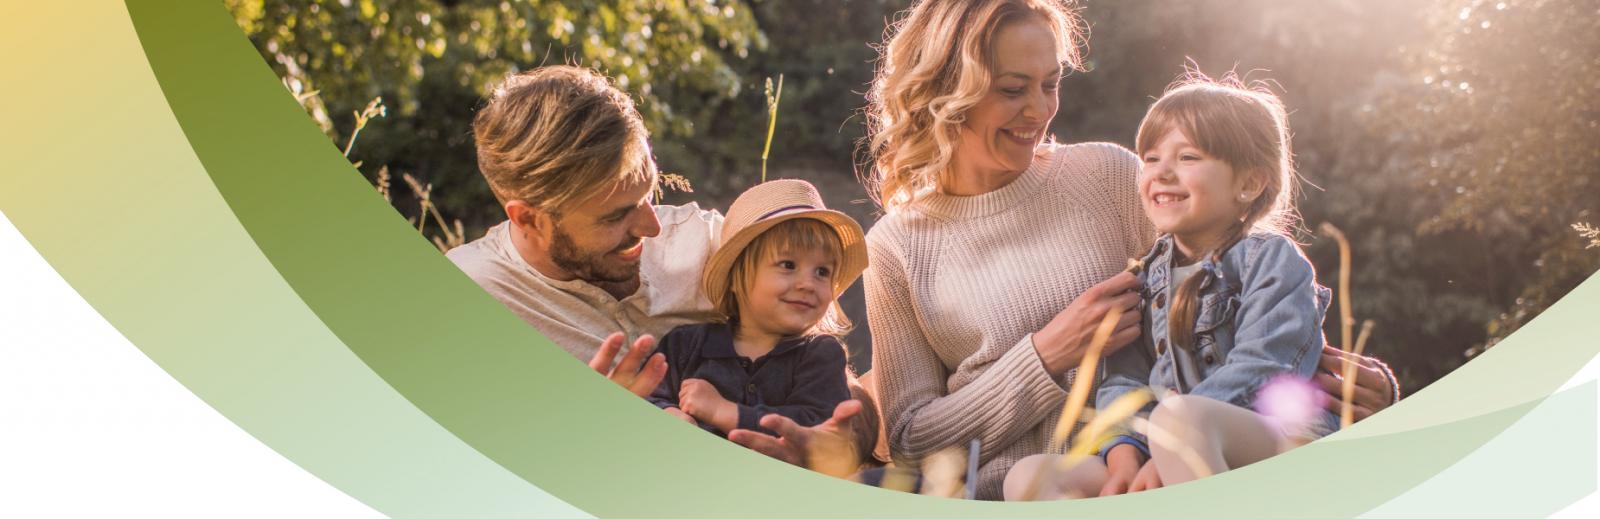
587, 259
566, 156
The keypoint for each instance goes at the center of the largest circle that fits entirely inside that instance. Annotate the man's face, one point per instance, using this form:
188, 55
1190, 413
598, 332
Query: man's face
602, 238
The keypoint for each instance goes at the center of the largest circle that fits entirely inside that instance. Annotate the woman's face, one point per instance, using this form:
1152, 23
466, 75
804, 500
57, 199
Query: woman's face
1002, 129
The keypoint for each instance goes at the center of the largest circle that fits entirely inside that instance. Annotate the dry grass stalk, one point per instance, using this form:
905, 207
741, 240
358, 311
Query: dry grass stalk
773, 96
1346, 319
1590, 232
672, 181
1348, 388
898, 480
942, 473
383, 184
1120, 410
452, 237
1083, 381
373, 110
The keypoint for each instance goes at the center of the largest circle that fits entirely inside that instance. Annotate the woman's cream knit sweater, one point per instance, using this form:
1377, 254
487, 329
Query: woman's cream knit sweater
957, 286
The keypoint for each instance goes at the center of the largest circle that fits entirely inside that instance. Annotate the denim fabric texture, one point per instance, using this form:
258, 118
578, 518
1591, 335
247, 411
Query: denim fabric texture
1261, 313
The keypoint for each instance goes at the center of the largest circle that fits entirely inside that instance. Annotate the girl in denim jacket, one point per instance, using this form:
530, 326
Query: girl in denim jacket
1230, 302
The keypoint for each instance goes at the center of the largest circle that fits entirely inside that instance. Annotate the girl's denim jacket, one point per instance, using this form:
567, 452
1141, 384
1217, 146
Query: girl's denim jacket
1260, 316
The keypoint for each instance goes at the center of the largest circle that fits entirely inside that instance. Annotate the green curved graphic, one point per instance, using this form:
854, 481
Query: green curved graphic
239, 250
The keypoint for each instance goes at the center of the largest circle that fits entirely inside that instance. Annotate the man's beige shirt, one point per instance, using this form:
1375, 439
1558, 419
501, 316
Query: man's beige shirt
578, 315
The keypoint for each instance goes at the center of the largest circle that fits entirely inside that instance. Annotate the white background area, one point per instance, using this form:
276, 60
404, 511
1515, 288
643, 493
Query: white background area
91, 427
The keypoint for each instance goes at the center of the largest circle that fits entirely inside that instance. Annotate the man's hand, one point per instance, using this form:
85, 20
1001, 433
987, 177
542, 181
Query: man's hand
829, 447
701, 400
1148, 479
1372, 390
627, 373
682, 415
1122, 469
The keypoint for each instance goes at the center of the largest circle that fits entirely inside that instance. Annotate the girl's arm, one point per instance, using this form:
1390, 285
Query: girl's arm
819, 387
1278, 325
1126, 370
921, 417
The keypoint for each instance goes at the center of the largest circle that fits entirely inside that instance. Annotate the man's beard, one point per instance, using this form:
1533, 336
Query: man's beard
591, 266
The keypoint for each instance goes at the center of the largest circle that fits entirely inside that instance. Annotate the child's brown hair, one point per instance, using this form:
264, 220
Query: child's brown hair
1246, 126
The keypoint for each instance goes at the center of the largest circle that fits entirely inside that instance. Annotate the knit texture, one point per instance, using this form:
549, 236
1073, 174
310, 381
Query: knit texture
957, 285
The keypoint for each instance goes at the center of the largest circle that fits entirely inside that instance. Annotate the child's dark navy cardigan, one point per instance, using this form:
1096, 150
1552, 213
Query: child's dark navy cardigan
802, 378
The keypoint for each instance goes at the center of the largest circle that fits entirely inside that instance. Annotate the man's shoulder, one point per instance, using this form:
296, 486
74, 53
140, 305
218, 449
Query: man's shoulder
687, 214
481, 258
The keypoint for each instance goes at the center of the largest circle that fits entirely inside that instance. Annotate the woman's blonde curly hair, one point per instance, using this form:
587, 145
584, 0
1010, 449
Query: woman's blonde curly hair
936, 64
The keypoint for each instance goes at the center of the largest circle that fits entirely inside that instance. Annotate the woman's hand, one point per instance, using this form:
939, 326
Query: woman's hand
1122, 469
701, 400
1373, 391
1062, 343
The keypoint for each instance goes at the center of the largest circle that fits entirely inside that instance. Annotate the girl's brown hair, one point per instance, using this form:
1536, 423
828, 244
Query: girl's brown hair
787, 236
937, 62
1245, 126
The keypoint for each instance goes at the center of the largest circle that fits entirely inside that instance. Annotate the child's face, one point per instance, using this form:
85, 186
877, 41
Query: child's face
1189, 194
790, 293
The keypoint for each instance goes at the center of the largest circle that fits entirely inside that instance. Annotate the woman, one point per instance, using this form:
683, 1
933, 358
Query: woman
1000, 251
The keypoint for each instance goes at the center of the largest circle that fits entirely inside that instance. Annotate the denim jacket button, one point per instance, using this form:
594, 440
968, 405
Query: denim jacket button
1161, 300
1161, 346
750, 388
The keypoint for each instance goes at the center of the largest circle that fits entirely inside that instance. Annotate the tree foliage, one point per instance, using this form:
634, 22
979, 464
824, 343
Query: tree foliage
433, 60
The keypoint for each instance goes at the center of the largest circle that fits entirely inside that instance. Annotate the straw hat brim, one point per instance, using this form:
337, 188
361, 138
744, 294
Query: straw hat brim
852, 262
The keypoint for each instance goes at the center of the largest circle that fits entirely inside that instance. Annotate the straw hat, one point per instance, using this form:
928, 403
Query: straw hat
769, 204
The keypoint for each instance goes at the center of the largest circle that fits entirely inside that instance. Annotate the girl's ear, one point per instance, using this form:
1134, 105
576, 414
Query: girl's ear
1250, 185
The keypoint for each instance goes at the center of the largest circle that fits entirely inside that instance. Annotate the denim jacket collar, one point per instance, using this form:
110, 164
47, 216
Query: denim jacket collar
1158, 268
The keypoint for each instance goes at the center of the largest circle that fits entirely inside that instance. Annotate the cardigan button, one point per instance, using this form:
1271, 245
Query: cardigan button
750, 388
1161, 300
1161, 346
1209, 359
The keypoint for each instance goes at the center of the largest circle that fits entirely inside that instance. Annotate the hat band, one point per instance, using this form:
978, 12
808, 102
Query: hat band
784, 209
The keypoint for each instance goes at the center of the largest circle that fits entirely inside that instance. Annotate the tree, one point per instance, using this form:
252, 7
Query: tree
674, 56
1500, 118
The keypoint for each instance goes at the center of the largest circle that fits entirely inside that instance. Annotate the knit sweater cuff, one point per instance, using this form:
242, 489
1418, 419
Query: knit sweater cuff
1023, 364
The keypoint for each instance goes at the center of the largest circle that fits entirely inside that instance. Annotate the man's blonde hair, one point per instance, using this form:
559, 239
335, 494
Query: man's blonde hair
556, 135
936, 65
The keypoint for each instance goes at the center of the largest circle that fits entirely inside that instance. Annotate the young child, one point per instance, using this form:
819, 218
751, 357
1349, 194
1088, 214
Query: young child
783, 261
1230, 301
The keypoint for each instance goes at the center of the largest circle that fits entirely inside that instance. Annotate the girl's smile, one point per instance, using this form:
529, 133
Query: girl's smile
1189, 194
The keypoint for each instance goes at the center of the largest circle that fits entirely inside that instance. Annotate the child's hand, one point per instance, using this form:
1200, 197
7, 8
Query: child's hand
1122, 469
1148, 479
682, 415
700, 400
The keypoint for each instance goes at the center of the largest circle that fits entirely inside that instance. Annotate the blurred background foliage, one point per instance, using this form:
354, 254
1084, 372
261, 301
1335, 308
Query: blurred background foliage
1455, 142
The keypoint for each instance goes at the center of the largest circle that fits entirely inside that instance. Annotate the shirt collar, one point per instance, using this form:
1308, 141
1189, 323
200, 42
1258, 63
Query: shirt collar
719, 344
